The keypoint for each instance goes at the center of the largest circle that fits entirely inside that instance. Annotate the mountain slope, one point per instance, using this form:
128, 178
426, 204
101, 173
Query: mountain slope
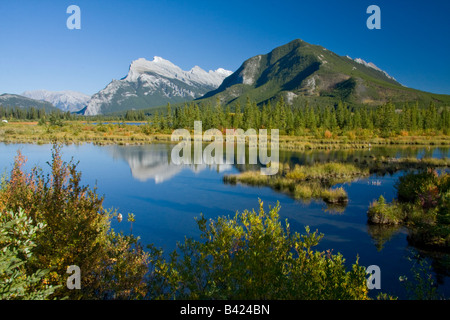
154, 83
299, 70
13, 100
71, 101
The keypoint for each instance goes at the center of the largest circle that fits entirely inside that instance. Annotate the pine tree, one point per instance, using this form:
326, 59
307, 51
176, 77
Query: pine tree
340, 115
237, 116
227, 120
169, 116
430, 121
416, 118
357, 120
388, 119
445, 120
217, 116
156, 121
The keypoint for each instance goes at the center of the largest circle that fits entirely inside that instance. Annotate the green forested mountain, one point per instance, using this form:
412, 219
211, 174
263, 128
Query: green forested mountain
302, 71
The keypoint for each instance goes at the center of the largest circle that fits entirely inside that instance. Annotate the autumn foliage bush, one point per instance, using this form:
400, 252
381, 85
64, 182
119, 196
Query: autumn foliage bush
77, 232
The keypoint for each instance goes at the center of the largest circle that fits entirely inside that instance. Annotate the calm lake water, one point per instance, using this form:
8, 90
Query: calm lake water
166, 198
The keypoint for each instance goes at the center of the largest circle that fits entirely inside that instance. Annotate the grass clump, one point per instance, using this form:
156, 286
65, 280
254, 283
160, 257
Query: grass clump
337, 195
332, 172
305, 182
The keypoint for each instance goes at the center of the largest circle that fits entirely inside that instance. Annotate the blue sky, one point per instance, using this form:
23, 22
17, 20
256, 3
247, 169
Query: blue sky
37, 51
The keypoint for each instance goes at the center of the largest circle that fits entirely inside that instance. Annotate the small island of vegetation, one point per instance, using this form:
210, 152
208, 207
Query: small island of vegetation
423, 205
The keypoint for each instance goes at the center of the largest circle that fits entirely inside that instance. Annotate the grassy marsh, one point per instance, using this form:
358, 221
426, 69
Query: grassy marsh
317, 181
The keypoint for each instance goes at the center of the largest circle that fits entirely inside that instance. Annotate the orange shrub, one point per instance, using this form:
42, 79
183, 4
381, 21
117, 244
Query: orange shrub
328, 134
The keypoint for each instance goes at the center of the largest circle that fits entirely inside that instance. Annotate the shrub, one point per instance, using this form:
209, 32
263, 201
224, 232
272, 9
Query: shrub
55, 120
424, 207
414, 186
381, 212
147, 129
42, 122
253, 256
404, 133
422, 285
17, 240
102, 128
77, 232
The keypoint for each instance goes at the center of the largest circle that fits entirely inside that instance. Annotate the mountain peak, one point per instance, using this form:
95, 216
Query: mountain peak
162, 62
157, 65
310, 72
223, 71
197, 69
158, 59
154, 83
165, 68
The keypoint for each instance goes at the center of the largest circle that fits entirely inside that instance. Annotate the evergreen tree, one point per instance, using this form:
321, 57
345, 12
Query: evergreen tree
430, 119
237, 119
169, 116
357, 121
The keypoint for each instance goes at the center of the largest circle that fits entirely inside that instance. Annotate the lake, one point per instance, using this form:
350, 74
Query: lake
166, 198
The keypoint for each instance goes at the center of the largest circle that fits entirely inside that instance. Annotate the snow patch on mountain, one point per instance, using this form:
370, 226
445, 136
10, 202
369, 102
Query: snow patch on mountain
370, 65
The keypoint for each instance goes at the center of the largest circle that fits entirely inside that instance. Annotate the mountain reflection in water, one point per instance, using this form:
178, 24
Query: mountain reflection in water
153, 162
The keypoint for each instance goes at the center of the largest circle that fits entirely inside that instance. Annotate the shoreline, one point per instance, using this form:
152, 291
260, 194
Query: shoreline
119, 134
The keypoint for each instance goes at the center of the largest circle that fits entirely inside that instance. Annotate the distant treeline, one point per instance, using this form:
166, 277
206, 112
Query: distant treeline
294, 120
291, 120
33, 113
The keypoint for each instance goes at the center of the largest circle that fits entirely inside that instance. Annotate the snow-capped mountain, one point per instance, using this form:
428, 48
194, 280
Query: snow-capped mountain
154, 83
71, 101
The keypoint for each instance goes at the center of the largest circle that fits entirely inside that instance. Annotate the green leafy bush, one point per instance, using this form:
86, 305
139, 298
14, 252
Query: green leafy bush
253, 256
17, 240
421, 285
414, 187
423, 204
